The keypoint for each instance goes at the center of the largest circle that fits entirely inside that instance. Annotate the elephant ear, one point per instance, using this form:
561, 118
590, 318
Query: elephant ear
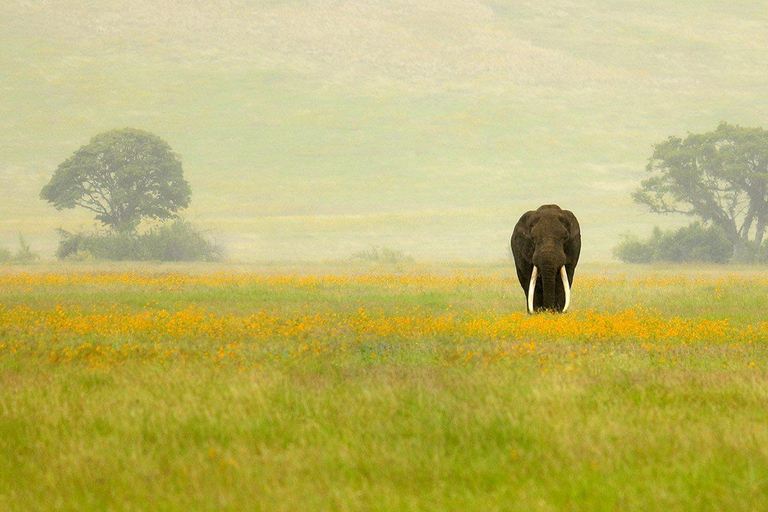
569, 221
524, 225
522, 248
522, 241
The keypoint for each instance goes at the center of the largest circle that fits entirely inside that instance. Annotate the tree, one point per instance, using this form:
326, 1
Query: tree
124, 176
720, 177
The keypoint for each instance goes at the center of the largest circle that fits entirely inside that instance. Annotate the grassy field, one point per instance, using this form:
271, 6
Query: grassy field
355, 387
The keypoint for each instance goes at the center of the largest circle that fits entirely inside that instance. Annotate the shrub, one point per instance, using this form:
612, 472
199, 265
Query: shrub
178, 241
382, 255
693, 243
24, 254
633, 250
103, 245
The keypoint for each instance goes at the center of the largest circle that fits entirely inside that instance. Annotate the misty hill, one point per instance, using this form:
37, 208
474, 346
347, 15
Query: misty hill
316, 129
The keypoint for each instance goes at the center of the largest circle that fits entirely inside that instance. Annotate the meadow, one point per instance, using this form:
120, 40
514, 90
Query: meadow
360, 387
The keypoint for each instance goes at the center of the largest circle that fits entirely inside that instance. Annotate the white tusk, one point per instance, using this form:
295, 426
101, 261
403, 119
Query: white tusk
531, 288
566, 288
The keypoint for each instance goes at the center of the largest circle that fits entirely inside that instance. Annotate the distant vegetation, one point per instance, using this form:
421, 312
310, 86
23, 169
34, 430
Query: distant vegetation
126, 176
24, 254
123, 176
721, 177
382, 255
694, 243
178, 241
442, 122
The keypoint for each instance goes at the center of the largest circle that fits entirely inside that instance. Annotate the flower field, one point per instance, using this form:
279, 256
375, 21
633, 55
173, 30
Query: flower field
106, 338
428, 389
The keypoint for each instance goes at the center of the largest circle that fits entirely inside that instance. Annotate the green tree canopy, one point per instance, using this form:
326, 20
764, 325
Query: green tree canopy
124, 176
720, 177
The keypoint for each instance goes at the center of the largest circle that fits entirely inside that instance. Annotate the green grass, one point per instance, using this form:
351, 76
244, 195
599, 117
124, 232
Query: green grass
331, 418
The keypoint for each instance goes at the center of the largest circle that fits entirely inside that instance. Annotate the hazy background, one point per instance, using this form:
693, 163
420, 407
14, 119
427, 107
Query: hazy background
315, 129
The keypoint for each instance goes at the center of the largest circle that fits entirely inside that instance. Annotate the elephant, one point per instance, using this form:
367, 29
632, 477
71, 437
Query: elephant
546, 244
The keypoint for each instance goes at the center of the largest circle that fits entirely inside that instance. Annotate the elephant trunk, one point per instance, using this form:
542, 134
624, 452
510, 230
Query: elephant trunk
549, 288
550, 263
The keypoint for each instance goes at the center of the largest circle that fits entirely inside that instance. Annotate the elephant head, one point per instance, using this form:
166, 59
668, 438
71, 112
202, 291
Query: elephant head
546, 244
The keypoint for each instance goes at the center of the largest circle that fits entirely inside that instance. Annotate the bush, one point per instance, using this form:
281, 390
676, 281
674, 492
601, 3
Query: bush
24, 254
383, 255
693, 243
178, 241
633, 250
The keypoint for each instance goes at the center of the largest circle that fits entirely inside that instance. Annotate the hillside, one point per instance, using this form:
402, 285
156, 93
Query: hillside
315, 129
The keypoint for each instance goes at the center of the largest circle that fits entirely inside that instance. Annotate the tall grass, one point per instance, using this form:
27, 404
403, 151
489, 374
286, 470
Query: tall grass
424, 389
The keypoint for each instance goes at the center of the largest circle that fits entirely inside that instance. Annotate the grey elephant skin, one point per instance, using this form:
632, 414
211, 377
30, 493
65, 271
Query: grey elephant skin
548, 238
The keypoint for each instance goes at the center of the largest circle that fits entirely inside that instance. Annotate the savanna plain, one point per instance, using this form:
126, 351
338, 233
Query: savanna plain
358, 387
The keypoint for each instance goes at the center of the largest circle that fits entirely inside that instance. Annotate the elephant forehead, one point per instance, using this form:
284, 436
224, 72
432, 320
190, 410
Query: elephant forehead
549, 225
549, 208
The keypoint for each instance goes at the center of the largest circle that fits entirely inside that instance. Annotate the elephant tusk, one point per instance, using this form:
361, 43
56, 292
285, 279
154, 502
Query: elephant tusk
566, 288
532, 288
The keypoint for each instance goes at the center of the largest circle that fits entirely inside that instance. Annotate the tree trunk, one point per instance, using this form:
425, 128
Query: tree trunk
740, 252
760, 231
731, 232
747, 224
